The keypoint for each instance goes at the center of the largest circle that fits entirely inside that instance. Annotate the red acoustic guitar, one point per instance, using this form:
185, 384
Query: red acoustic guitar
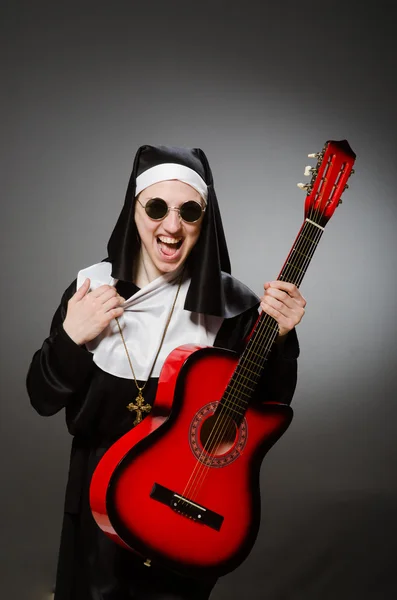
182, 488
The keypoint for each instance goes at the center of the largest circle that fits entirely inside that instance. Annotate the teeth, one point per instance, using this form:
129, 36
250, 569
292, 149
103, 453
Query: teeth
168, 240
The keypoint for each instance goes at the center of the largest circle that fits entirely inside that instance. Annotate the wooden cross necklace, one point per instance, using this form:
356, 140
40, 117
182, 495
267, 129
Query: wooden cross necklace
140, 407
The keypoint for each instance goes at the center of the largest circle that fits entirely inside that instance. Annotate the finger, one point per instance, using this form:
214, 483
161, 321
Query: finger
285, 323
103, 289
285, 316
112, 303
286, 286
289, 288
83, 289
274, 304
272, 312
121, 299
104, 293
115, 312
281, 295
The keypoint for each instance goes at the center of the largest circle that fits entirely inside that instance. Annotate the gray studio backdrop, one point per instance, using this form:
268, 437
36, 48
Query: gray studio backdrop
258, 87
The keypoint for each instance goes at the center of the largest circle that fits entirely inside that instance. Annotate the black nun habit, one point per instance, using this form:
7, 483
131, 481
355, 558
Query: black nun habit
64, 375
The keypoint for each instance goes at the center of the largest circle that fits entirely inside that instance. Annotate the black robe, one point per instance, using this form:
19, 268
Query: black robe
63, 375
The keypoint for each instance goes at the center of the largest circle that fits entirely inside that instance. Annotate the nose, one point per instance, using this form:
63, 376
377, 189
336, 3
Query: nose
172, 222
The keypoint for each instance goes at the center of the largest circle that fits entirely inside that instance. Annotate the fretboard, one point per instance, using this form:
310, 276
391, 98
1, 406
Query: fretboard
252, 361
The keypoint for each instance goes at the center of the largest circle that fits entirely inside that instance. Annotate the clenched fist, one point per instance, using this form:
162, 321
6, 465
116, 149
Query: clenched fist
89, 313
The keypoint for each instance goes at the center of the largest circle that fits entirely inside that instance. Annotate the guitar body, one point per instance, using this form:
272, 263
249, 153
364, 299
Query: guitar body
157, 496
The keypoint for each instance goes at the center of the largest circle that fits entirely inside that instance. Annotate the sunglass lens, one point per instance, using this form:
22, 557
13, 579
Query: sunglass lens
190, 211
156, 208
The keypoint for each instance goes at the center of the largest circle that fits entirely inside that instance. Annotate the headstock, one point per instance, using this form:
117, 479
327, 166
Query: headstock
328, 180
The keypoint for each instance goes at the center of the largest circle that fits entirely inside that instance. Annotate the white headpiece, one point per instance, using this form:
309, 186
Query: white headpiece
168, 171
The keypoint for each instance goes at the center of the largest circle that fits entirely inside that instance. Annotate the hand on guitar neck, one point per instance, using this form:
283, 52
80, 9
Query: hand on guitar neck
284, 302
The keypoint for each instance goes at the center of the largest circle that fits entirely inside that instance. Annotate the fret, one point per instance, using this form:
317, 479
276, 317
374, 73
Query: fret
301, 253
253, 362
311, 230
226, 406
250, 370
294, 267
256, 354
309, 239
242, 368
245, 386
265, 323
240, 391
241, 383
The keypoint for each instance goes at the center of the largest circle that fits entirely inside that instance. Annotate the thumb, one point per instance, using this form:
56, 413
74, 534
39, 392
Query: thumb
83, 289
266, 285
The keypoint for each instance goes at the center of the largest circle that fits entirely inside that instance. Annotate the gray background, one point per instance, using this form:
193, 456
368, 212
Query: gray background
257, 85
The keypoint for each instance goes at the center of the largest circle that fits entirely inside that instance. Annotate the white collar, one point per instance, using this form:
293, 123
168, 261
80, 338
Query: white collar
143, 323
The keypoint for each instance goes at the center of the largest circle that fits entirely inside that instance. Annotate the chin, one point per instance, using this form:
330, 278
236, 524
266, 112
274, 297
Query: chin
169, 267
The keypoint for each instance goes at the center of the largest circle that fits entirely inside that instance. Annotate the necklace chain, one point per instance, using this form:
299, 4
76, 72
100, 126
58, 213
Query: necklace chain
140, 407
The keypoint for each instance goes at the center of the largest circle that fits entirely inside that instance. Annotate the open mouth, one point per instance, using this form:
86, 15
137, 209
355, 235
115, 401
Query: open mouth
169, 246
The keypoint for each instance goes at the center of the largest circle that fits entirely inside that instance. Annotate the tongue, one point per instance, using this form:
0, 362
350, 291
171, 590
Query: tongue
168, 249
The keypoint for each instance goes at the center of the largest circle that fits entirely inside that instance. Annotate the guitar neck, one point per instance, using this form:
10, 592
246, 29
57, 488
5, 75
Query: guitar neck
252, 362
328, 182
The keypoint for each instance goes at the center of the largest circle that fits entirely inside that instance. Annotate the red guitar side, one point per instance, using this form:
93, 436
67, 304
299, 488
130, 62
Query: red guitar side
182, 488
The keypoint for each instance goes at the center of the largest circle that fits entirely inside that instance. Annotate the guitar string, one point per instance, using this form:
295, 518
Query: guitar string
244, 367
290, 267
265, 323
221, 430
221, 425
202, 472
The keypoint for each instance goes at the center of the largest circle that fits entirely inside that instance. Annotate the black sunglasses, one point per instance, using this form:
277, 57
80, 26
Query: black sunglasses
157, 209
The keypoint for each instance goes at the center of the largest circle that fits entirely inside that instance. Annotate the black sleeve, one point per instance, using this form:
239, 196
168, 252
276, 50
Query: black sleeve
60, 370
278, 381
279, 378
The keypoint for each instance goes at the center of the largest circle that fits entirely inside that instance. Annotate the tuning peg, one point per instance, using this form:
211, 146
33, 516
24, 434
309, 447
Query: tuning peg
340, 201
352, 172
314, 155
303, 186
308, 170
346, 187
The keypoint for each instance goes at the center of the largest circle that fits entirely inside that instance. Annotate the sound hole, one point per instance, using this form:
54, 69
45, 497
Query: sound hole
218, 434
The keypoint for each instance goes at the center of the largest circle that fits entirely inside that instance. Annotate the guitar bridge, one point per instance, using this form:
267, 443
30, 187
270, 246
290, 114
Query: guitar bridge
186, 508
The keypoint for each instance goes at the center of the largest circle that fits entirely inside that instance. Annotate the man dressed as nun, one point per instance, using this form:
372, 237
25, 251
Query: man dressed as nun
165, 282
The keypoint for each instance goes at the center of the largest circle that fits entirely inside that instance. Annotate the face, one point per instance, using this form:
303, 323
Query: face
166, 244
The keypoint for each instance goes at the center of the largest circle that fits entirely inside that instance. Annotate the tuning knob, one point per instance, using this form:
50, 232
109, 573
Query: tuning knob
303, 186
308, 170
314, 155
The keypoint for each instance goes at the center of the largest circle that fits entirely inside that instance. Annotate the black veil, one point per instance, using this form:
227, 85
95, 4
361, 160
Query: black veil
212, 291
